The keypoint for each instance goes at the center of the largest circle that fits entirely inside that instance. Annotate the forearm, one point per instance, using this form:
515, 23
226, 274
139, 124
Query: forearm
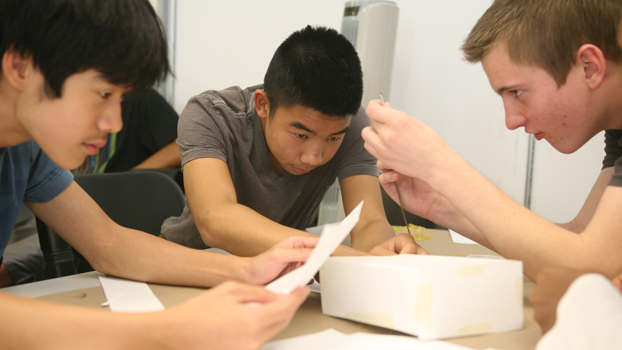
163, 261
512, 230
36, 324
371, 235
222, 228
167, 157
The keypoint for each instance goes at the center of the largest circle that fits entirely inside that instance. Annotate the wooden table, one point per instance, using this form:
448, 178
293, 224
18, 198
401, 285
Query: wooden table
309, 318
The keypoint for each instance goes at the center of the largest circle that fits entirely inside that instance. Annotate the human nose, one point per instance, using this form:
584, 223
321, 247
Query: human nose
313, 154
513, 117
110, 120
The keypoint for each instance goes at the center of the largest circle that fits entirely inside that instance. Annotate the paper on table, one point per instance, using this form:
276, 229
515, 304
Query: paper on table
458, 238
334, 340
129, 296
332, 236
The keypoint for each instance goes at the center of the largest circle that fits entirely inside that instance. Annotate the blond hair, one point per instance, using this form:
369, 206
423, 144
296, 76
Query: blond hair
546, 33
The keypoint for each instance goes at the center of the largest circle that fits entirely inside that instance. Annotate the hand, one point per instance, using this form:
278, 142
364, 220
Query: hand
279, 260
222, 318
552, 284
400, 244
402, 142
419, 197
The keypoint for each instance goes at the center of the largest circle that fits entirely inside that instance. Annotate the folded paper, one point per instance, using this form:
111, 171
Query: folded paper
129, 296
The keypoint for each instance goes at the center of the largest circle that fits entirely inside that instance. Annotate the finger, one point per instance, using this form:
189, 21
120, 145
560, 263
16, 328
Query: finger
407, 249
291, 255
382, 251
375, 111
245, 293
390, 176
369, 134
285, 306
369, 146
299, 242
421, 251
617, 282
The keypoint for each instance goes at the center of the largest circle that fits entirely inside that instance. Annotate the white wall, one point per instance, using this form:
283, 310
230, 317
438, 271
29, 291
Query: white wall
224, 43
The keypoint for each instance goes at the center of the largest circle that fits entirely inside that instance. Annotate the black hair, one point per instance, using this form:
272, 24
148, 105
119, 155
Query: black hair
315, 67
121, 39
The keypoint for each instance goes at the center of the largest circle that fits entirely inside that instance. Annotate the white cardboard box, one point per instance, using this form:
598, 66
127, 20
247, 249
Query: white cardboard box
432, 297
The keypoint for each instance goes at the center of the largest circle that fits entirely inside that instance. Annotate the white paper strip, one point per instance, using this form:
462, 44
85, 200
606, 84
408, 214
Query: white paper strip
458, 238
332, 236
129, 296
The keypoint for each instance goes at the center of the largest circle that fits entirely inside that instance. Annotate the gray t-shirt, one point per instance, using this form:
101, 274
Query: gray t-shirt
224, 125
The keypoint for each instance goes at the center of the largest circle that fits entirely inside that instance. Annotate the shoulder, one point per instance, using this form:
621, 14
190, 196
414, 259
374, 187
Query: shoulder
360, 120
232, 101
29, 163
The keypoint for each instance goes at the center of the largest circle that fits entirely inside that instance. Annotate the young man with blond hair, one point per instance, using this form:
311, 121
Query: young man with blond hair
556, 65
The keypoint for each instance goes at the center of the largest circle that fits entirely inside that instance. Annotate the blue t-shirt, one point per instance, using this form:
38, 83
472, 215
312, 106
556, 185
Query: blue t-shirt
26, 175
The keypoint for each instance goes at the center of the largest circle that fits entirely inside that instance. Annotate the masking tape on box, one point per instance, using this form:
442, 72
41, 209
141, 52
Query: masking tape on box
478, 328
423, 305
471, 269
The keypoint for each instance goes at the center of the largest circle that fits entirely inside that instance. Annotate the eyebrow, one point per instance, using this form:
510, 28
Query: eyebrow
305, 128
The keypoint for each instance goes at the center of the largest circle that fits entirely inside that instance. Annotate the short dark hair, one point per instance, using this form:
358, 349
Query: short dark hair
122, 39
315, 67
546, 33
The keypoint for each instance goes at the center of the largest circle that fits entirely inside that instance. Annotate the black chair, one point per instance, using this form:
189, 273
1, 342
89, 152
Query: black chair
139, 199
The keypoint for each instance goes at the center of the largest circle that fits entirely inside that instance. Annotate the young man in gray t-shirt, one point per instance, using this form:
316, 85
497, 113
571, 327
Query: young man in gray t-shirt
257, 162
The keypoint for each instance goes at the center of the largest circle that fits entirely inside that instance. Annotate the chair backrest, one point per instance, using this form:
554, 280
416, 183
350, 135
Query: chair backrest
140, 199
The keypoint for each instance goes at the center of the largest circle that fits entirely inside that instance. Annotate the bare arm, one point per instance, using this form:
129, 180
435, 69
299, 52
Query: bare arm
512, 230
167, 157
217, 319
217, 214
579, 223
373, 227
128, 253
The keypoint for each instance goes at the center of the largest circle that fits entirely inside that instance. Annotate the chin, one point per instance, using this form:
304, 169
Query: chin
566, 148
69, 163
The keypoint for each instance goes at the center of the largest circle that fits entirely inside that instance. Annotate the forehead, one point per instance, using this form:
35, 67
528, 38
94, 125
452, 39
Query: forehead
311, 118
504, 74
95, 77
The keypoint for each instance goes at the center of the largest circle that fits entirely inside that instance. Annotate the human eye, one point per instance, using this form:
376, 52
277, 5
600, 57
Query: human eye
300, 136
517, 93
104, 95
334, 138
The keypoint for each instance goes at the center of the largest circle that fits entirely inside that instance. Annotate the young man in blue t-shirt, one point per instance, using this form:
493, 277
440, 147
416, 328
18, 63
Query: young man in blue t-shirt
65, 68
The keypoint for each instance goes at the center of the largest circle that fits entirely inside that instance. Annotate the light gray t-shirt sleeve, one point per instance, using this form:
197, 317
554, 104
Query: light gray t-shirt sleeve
200, 131
353, 157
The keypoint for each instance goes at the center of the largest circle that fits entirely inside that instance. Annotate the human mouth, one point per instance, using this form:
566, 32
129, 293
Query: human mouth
301, 171
538, 136
93, 147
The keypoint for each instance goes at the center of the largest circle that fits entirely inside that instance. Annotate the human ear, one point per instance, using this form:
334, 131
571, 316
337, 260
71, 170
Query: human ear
262, 104
16, 68
593, 63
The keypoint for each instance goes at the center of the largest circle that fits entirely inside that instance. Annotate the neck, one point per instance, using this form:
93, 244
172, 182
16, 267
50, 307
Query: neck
11, 131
